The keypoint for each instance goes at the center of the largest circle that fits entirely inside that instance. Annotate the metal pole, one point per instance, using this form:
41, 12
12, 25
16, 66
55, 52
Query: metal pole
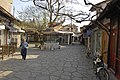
71, 22
13, 10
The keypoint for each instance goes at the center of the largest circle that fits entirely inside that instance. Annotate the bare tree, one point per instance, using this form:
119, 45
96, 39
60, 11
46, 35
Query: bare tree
53, 7
33, 19
32, 14
58, 10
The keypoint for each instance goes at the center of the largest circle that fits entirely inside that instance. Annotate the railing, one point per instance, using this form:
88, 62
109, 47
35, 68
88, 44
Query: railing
7, 50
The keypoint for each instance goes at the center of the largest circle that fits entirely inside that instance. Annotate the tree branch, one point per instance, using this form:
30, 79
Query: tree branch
40, 6
92, 5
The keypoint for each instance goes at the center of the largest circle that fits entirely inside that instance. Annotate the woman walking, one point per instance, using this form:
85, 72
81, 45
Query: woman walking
24, 46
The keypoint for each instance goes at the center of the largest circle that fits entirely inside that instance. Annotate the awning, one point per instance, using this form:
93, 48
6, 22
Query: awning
50, 32
64, 32
2, 27
12, 29
22, 31
76, 35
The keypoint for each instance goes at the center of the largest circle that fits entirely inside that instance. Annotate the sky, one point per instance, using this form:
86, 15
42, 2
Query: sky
18, 6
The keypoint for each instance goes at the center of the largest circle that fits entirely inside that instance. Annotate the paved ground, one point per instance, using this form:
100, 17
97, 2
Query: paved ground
67, 63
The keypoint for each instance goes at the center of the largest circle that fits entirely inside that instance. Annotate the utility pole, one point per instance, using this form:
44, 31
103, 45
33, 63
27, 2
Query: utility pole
13, 10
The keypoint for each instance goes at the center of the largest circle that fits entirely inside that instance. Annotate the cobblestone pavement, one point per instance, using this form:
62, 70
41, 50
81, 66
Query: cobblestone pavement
67, 63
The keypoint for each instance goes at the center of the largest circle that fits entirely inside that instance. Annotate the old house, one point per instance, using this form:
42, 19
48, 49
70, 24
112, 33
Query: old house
66, 33
114, 41
8, 33
7, 22
111, 13
100, 32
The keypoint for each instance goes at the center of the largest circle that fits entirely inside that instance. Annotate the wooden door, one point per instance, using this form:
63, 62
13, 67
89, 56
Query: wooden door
118, 58
113, 46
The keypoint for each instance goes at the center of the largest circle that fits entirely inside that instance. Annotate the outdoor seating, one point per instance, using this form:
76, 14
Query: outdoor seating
51, 45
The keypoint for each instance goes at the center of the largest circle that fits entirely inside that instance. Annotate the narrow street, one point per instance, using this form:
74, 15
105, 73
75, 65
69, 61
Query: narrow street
67, 63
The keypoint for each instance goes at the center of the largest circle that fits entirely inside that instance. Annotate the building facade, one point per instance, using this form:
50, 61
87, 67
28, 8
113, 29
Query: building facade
6, 4
111, 20
100, 32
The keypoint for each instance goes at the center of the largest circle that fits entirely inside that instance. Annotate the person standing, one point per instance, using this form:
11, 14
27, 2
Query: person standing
24, 46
